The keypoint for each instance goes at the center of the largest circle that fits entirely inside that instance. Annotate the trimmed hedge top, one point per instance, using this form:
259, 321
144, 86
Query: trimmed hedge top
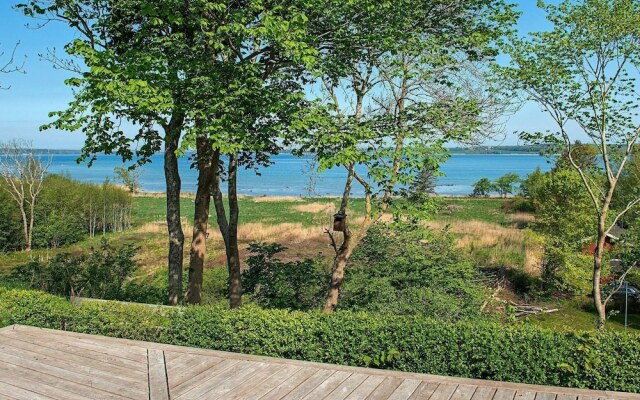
520, 353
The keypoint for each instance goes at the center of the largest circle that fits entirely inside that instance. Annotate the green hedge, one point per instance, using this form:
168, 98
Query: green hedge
597, 360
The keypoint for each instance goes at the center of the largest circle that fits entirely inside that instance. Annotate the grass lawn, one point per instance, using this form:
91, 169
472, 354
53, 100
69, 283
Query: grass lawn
478, 209
482, 228
298, 223
573, 315
265, 210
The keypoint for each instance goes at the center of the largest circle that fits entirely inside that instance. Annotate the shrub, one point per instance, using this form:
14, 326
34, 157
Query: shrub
58, 230
297, 285
408, 269
33, 308
521, 353
101, 274
11, 235
567, 271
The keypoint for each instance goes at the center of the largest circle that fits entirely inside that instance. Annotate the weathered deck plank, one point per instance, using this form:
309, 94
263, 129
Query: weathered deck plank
158, 384
46, 364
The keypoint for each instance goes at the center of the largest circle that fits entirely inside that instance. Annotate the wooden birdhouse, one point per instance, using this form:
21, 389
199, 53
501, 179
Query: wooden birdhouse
339, 222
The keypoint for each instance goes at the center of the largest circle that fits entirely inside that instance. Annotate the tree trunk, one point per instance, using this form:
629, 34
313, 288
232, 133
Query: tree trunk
174, 226
337, 273
233, 253
200, 220
344, 252
597, 270
25, 229
229, 227
32, 218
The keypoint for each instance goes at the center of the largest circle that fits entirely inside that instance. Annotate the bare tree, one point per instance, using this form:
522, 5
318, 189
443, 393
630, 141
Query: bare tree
10, 65
23, 172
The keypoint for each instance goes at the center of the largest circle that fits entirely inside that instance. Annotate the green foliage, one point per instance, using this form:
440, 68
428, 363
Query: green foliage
564, 215
389, 123
505, 185
101, 274
406, 269
58, 229
33, 308
583, 155
582, 70
629, 190
628, 252
565, 270
462, 210
129, 178
482, 188
423, 187
296, 285
531, 188
597, 360
66, 212
564, 210
11, 235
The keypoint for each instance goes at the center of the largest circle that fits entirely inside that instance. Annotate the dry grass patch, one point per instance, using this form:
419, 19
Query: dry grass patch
316, 208
275, 199
161, 227
301, 242
491, 244
521, 219
286, 232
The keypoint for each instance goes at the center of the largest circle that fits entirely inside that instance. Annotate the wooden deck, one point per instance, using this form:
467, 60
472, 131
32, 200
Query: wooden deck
46, 364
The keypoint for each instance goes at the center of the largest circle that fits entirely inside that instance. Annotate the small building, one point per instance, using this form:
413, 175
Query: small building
613, 237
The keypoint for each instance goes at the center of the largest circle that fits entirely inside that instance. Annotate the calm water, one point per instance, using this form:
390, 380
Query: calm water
290, 176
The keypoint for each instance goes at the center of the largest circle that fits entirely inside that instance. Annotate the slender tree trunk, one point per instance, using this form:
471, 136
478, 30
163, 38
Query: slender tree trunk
233, 252
218, 201
25, 229
174, 226
200, 220
343, 252
337, 273
597, 270
229, 227
32, 218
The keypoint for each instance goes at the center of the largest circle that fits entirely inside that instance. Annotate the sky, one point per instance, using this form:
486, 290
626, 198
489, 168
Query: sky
25, 106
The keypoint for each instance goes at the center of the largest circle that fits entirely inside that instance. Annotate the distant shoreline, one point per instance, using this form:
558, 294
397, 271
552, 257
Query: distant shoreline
143, 193
481, 150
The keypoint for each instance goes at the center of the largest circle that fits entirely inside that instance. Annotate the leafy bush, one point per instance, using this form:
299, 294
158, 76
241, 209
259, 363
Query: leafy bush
517, 203
297, 285
566, 270
101, 274
408, 269
522, 353
11, 236
57, 230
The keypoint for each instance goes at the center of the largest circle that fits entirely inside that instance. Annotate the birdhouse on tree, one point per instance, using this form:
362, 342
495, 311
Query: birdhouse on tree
339, 222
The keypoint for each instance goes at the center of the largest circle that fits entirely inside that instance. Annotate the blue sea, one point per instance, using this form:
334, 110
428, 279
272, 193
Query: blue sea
290, 175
